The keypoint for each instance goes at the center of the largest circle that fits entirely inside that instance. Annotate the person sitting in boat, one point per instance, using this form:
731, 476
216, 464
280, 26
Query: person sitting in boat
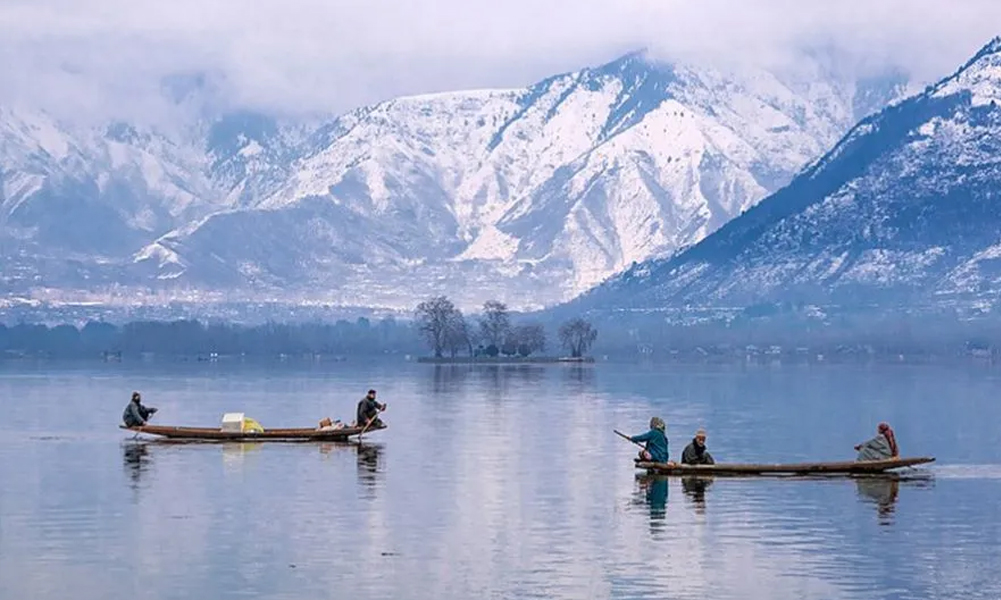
135, 414
368, 411
881, 447
695, 453
656, 449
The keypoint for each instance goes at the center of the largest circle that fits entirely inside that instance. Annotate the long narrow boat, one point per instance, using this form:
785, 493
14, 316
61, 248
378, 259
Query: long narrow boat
818, 468
304, 434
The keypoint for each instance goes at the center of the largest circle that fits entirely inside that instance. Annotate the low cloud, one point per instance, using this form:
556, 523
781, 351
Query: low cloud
295, 56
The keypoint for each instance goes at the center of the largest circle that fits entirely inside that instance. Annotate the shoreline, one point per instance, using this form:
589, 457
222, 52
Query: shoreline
501, 360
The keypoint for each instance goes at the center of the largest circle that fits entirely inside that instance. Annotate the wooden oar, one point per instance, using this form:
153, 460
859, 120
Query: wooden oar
364, 429
629, 439
370, 421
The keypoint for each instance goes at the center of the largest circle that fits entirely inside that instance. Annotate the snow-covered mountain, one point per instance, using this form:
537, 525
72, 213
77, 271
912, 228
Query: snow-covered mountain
529, 195
74, 202
905, 209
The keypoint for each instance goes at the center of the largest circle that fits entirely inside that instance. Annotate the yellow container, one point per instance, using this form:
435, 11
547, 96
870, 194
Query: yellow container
252, 425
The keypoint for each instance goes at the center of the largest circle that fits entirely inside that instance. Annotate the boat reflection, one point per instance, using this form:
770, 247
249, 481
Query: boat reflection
234, 453
883, 490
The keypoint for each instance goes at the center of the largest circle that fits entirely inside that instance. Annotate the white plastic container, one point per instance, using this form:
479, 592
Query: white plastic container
232, 422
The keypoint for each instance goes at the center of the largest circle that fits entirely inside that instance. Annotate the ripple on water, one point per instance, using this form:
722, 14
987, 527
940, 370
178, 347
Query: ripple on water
498, 483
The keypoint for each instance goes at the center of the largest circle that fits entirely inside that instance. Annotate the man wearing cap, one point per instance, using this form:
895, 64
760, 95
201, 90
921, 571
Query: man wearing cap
695, 453
368, 410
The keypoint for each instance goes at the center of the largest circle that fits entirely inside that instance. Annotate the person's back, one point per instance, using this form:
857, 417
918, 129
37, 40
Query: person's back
881, 447
656, 441
877, 448
362, 414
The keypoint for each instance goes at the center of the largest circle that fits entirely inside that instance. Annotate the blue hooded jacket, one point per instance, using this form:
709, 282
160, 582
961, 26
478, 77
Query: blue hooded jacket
656, 444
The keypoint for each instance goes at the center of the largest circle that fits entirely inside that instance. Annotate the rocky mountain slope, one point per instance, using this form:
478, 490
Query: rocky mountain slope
905, 210
531, 195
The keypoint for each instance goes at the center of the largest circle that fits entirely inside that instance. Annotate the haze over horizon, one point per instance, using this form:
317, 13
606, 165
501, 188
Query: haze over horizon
109, 58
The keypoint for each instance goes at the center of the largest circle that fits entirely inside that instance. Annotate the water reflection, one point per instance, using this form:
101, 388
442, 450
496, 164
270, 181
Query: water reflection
453, 379
136, 460
883, 490
474, 498
497, 379
449, 378
579, 377
368, 462
235, 453
695, 489
652, 492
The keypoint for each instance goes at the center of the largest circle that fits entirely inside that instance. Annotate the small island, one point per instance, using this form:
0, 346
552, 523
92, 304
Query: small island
454, 339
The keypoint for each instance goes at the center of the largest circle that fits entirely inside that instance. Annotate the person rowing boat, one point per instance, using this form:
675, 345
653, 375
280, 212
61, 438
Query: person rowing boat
135, 414
656, 448
368, 411
882, 446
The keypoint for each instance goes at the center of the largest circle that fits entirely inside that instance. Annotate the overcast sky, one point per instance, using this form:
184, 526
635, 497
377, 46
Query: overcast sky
332, 55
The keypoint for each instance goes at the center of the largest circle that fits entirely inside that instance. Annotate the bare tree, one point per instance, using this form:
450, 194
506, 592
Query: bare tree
457, 335
495, 324
471, 335
525, 339
435, 318
577, 335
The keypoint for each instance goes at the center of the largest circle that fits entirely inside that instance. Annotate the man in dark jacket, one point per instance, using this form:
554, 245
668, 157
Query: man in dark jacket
135, 413
368, 410
695, 453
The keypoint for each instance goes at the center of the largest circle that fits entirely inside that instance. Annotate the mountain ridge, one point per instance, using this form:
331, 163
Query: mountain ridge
532, 193
855, 226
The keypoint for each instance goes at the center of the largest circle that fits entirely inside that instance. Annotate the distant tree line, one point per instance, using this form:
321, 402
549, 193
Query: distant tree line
191, 338
441, 327
446, 331
886, 334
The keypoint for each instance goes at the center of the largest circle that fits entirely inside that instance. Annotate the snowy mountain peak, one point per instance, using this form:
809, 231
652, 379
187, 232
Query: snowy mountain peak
902, 209
980, 77
126, 133
529, 196
991, 47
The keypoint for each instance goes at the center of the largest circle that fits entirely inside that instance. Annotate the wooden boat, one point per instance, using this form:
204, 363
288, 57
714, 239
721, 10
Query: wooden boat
302, 434
818, 468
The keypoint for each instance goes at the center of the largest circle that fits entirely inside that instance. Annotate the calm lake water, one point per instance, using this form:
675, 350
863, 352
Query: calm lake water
496, 482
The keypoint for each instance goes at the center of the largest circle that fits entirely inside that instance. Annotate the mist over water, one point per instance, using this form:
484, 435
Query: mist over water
496, 482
